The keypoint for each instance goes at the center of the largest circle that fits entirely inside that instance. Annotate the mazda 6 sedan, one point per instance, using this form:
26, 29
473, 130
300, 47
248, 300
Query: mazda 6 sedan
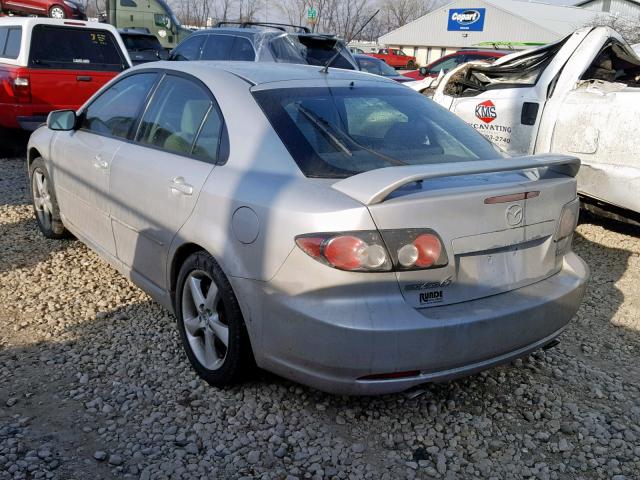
333, 227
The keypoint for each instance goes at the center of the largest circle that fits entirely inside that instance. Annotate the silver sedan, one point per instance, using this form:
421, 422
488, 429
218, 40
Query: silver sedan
333, 227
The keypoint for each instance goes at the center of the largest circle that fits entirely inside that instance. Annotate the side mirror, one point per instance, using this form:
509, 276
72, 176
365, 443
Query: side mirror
63, 120
163, 54
423, 71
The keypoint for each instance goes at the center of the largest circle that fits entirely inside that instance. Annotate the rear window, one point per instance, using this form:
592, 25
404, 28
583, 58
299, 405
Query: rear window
339, 132
141, 43
10, 38
312, 50
75, 49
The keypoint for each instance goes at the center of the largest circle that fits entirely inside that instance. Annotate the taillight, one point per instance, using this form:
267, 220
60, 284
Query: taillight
353, 251
415, 249
22, 88
371, 251
568, 220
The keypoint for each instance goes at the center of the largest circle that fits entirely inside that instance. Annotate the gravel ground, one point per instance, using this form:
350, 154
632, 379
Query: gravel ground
94, 384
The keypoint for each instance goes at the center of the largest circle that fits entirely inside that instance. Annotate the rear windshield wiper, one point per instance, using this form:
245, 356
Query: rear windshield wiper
326, 128
333, 134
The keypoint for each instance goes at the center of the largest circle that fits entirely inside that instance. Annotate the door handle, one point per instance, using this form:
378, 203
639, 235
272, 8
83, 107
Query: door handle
178, 184
84, 78
98, 162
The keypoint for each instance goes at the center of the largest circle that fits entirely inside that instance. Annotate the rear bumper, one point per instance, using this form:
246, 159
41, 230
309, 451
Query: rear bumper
31, 123
331, 344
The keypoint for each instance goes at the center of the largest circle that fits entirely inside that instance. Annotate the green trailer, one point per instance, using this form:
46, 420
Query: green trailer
154, 15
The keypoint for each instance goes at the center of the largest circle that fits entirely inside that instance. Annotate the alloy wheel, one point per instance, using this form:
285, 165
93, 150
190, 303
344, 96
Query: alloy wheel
56, 12
42, 198
203, 317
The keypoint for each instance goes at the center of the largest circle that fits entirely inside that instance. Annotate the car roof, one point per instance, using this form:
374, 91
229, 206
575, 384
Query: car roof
30, 21
259, 73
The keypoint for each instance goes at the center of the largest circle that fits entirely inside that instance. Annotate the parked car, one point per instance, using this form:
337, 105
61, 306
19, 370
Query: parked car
448, 62
142, 45
264, 42
579, 96
47, 8
352, 236
378, 67
395, 57
48, 64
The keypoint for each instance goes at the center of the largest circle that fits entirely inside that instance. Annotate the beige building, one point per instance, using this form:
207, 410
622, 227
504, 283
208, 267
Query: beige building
466, 23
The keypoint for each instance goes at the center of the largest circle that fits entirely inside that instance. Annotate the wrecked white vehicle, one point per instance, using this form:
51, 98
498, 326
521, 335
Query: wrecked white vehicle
579, 96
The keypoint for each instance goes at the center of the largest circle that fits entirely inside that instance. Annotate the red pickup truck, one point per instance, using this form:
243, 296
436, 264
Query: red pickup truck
395, 58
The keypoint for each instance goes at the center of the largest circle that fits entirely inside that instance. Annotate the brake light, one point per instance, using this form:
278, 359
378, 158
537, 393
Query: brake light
22, 88
357, 251
369, 251
422, 252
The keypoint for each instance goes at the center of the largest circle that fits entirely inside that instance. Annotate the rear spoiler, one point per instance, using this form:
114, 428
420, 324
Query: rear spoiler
374, 186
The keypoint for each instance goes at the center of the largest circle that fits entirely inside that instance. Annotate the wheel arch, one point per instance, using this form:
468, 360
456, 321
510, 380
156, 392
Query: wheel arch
32, 154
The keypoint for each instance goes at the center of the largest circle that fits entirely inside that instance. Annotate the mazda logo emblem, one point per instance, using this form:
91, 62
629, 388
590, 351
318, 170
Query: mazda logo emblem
514, 215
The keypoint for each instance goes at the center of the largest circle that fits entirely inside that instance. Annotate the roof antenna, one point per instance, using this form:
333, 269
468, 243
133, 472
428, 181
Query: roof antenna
325, 69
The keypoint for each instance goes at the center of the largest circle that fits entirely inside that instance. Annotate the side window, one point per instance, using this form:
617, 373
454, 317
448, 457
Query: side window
444, 65
175, 117
206, 146
12, 49
189, 49
116, 110
10, 38
128, 3
3, 38
217, 47
75, 49
242, 50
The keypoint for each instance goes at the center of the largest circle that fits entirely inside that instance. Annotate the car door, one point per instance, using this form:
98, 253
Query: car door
83, 157
68, 64
155, 181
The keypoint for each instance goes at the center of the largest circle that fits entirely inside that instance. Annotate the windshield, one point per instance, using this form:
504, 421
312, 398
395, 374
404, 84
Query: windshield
312, 50
373, 65
339, 132
141, 42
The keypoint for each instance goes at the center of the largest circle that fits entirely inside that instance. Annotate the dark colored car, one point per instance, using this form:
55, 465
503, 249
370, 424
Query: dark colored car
45, 8
451, 61
142, 45
378, 67
264, 42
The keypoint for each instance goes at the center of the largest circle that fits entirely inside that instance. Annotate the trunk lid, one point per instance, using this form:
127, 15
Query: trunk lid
497, 227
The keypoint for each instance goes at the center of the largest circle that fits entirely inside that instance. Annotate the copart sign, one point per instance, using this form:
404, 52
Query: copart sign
466, 19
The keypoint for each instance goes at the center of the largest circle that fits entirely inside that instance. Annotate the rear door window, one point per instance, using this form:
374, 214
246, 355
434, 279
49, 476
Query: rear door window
10, 39
65, 48
116, 110
242, 50
218, 47
175, 117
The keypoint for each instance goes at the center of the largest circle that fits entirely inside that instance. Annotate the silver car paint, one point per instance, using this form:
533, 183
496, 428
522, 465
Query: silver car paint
306, 321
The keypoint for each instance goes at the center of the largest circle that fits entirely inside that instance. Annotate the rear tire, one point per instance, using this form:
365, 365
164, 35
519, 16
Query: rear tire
210, 322
45, 203
57, 12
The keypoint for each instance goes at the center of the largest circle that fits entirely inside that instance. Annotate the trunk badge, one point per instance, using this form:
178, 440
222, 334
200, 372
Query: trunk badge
514, 215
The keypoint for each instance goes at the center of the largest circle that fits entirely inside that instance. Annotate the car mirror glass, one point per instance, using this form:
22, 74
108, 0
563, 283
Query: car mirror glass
62, 120
423, 71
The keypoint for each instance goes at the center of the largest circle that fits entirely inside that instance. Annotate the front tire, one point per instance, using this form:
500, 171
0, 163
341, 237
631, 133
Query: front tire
210, 322
45, 203
411, 65
57, 12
